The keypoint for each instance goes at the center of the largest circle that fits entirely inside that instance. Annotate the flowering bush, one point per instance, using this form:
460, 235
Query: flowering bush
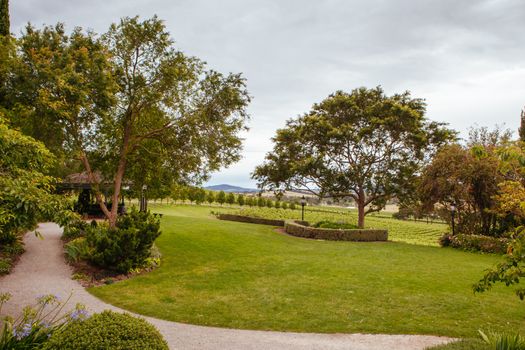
36, 323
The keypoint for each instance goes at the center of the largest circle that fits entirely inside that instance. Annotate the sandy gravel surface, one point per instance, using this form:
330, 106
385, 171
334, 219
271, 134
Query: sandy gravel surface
42, 270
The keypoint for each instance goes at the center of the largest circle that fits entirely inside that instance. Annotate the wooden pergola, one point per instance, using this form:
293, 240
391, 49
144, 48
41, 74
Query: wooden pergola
86, 204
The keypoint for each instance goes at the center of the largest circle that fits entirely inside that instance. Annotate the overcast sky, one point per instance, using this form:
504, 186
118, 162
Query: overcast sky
465, 57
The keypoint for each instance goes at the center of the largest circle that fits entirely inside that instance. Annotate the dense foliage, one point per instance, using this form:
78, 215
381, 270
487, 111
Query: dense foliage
127, 105
4, 18
362, 145
125, 247
512, 270
479, 243
107, 330
25, 190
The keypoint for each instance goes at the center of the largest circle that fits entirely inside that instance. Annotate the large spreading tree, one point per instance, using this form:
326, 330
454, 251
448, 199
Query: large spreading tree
362, 145
128, 100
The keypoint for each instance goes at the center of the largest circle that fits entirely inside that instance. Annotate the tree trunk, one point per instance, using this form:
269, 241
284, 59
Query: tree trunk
94, 184
361, 213
119, 175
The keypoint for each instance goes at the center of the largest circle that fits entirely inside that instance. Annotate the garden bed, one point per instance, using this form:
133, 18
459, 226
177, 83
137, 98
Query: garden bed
302, 229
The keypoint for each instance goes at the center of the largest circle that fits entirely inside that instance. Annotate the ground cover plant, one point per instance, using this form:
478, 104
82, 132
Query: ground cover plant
240, 275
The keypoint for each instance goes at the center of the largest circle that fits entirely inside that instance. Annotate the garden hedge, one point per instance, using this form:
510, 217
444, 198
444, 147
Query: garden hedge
299, 229
480, 243
250, 219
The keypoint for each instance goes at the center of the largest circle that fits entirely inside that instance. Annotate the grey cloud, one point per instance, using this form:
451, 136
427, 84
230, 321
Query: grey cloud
464, 56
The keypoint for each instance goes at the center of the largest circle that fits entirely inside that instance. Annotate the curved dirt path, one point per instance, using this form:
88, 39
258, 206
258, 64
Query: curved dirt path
42, 270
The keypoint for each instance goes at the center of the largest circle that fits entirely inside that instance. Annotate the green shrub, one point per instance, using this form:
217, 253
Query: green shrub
75, 229
503, 341
5, 266
107, 330
335, 225
77, 249
8, 253
14, 249
128, 245
480, 243
445, 240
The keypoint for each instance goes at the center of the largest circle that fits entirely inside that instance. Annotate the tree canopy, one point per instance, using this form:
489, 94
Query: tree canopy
363, 145
127, 104
25, 189
4, 18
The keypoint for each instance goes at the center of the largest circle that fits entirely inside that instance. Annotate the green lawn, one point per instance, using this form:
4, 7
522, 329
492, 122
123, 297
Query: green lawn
239, 275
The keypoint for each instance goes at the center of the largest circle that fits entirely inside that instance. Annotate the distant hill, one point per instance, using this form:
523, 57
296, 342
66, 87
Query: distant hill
230, 188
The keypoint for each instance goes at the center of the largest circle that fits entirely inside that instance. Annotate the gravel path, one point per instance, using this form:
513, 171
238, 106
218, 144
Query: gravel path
42, 270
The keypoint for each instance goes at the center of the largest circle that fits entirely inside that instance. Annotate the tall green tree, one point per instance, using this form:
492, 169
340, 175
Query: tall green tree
364, 145
521, 130
5, 26
466, 178
221, 197
240, 199
230, 198
60, 88
210, 197
130, 99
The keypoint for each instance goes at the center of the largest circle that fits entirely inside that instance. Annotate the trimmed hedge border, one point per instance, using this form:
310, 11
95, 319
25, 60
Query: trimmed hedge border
299, 229
250, 219
303, 229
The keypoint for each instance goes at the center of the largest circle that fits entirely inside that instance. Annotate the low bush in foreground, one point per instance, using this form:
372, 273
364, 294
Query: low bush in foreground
480, 243
107, 330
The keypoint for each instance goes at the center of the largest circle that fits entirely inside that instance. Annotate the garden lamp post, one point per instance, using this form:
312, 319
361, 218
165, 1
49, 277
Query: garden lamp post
453, 214
303, 203
143, 200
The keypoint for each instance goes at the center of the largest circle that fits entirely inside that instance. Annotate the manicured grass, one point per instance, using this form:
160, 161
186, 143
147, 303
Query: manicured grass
239, 275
